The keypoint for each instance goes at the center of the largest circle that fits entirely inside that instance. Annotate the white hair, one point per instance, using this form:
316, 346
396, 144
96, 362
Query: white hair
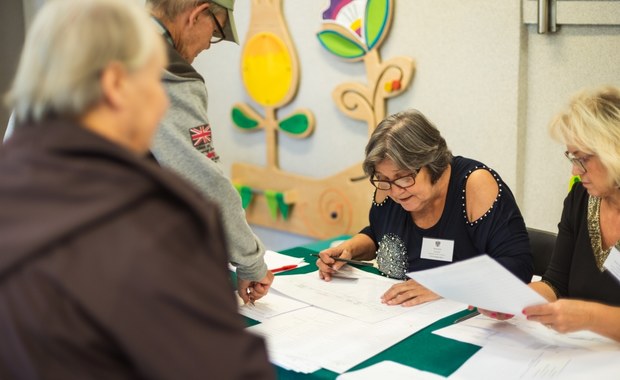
170, 9
68, 45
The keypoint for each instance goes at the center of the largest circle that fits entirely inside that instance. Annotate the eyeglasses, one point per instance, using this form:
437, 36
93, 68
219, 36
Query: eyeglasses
403, 182
580, 162
218, 35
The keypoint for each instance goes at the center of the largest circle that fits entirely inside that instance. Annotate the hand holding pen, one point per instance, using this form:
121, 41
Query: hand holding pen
251, 291
331, 260
327, 265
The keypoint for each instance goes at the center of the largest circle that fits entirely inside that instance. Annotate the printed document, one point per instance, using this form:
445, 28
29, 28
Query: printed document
310, 338
522, 349
358, 298
482, 282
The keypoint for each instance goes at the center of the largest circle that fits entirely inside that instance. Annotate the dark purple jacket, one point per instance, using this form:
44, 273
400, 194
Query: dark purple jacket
111, 267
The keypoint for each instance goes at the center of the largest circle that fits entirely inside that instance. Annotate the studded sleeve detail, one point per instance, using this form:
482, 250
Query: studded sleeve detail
463, 195
374, 200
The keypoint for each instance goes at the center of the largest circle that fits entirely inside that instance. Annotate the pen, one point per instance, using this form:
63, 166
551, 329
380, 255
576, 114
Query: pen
356, 262
283, 268
468, 316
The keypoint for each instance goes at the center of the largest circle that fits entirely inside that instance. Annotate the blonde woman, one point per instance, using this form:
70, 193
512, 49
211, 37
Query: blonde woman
582, 282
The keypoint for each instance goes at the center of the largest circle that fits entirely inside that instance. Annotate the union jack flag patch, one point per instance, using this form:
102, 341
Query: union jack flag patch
202, 139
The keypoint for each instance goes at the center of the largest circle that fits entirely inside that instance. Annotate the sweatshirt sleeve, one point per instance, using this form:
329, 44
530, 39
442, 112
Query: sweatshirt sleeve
184, 143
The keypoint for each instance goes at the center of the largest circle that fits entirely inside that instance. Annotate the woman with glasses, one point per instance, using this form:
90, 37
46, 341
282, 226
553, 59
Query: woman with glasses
184, 140
430, 209
582, 282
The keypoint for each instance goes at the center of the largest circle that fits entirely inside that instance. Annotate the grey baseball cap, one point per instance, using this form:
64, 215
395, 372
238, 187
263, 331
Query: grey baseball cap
230, 31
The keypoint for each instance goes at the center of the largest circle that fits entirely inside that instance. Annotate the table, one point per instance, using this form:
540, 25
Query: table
422, 350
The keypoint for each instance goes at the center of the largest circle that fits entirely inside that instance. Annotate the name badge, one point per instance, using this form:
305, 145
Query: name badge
437, 249
613, 262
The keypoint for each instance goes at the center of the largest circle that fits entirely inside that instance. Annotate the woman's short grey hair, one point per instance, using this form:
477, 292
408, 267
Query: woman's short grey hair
411, 142
68, 46
168, 10
591, 123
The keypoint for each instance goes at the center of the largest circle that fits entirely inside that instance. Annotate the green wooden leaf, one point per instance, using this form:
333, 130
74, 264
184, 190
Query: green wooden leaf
284, 208
242, 120
377, 13
296, 124
246, 195
340, 45
272, 203
574, 179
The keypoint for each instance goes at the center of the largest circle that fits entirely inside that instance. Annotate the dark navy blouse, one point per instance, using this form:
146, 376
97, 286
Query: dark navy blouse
500, 232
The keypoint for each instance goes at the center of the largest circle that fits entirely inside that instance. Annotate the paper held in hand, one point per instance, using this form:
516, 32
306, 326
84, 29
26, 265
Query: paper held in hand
481, 282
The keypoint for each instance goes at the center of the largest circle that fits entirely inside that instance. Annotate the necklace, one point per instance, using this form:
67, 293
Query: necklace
594, 229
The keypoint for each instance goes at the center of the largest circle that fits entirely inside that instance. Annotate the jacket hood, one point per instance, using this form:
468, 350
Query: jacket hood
179, 67
56, 180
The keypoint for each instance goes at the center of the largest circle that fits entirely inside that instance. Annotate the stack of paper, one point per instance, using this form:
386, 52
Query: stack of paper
521, 349
327, 334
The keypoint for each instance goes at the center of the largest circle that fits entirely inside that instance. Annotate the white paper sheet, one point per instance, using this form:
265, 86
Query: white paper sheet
381, 335
359, 299
293, 338
306, 338
522, 349
482, 282
547, 362
274, 303
519, 332
276, 260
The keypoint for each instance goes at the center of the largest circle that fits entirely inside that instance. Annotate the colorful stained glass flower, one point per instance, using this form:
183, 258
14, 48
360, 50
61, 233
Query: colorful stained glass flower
351, 28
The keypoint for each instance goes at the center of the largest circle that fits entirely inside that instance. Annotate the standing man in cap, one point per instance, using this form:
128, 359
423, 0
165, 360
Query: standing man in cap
184, 141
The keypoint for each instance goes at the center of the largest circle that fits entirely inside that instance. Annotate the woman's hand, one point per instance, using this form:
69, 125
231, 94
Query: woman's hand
564, 315
493, 314
408, 293
360, 245
327, 265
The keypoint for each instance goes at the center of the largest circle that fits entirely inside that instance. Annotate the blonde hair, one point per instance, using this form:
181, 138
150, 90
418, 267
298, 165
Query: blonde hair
68, 46
591, 123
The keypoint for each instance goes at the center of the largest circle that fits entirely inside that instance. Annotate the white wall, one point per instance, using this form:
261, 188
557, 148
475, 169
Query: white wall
467, 57
490, 83
558, 66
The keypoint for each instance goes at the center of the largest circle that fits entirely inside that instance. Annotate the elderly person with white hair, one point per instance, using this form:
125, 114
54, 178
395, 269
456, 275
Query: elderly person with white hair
104, 254
184, 140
